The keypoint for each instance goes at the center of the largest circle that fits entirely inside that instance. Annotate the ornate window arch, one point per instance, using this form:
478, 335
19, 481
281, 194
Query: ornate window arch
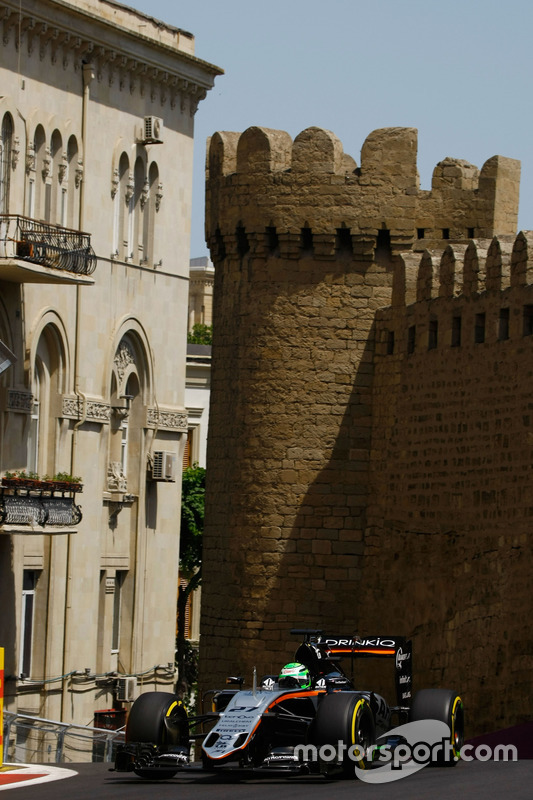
6, 160
122, 199
72, 182
139, 201
57, 202
129, 388
38, 167
150, 212
47, 385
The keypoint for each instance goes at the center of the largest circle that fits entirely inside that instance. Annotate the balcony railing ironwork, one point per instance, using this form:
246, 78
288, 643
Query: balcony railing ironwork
53, 505
46, 244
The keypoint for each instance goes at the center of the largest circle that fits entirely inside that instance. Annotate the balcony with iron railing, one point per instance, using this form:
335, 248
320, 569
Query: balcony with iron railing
32, 251
32, 505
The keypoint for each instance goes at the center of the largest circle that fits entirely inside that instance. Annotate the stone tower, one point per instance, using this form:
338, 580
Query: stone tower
307, 247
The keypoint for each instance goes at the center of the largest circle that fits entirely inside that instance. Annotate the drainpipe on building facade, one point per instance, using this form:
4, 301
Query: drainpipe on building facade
88, 76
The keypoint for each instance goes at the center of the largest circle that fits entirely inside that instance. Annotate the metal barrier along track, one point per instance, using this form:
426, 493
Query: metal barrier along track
36, 740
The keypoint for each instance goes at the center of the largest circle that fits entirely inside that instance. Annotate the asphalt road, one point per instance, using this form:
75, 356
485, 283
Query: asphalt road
467, 781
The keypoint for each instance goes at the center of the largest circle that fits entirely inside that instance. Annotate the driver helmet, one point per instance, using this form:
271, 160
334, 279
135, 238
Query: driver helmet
294, 676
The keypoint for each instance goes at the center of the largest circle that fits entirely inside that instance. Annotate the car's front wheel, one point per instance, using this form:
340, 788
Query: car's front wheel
446, 706
344, 720
157, 718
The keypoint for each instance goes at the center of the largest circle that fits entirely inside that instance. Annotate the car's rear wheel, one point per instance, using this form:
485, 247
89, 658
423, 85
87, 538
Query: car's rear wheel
446, 706
344, 717
157, 718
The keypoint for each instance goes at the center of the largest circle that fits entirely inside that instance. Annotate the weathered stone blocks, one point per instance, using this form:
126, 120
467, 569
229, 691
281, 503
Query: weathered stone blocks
370, 439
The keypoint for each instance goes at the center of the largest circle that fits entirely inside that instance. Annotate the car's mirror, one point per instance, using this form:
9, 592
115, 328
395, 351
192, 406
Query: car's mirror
235, 681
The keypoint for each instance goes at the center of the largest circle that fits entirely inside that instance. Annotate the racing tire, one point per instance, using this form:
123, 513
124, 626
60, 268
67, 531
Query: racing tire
345, 717
157, 718
446, 706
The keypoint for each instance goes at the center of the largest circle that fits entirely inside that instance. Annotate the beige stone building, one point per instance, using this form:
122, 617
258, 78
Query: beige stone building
197, 393
97, 113
202, 279
198, 380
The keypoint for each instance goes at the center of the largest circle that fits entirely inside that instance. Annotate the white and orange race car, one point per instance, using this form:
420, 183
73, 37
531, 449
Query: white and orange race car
309, 718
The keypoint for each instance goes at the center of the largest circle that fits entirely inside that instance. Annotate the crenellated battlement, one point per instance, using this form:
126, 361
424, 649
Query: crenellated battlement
472, 294
264, 189
464, 270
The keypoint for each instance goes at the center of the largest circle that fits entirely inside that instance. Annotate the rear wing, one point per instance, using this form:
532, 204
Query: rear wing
399, 648
395, 647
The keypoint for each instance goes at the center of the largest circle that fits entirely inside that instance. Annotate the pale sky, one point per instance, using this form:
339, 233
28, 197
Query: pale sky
460, 71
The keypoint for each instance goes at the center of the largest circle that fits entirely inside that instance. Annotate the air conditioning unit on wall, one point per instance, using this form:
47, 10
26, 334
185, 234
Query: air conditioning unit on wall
125, 689
153, 130
164, 466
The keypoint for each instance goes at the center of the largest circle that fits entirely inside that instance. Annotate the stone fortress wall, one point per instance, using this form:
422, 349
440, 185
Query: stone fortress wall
370, 442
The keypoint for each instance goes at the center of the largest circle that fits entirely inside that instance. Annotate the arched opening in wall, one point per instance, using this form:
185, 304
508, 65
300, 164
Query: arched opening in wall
37, 177
6, 145
137, 254
47, 389
128, 389
122, 201
133, 443
44, 180
72, 194
47, 386
150, 212
54, 187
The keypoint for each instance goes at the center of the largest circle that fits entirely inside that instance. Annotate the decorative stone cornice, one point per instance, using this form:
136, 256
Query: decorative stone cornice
174, 420
95, 410
74, 36
19, 400
98, 411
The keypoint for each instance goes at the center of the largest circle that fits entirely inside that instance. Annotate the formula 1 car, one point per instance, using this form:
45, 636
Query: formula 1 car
293, 722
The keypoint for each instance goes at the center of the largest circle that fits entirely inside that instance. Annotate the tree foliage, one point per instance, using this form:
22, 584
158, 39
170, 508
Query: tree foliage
200, 334
192, 519
190, 563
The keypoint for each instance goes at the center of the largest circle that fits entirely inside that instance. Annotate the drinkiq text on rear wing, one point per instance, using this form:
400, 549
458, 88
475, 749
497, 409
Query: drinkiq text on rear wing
397, 647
